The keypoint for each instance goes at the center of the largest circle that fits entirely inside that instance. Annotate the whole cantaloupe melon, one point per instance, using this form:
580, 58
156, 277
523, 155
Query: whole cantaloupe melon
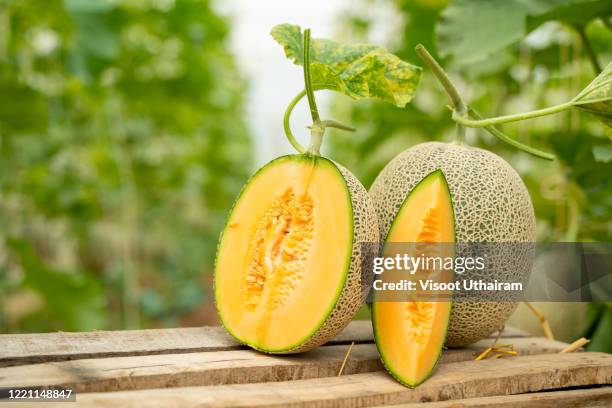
491, 204
288, 268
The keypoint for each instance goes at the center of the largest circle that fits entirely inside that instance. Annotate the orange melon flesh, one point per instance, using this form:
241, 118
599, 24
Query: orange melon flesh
285, 253
410, 335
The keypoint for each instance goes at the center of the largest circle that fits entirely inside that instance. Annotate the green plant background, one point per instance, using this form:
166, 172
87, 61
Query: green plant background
123, 142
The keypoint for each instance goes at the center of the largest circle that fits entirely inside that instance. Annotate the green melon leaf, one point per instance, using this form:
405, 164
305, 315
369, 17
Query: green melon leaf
596, 98
471, 30
359, 71
577, 13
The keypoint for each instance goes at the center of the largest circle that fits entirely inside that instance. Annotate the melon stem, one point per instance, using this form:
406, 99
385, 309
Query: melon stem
500, 135
312, 103
458, 104
317, 130
316, 138
324, 124
464, 115
461, 117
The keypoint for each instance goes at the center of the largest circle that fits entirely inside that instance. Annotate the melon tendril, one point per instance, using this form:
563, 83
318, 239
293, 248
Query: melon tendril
317, 129
466, 116
296, 145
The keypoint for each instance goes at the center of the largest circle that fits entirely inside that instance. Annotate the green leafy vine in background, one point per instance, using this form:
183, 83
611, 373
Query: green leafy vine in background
122, 145
124, 142
501, 65
460, 109
359, 71
596, 99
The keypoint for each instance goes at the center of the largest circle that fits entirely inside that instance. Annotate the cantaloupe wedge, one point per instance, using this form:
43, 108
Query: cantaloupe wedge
491, 205
410, 334
288, 268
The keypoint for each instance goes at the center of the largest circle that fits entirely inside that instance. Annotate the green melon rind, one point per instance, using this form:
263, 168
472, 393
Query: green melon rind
491, 204
430, 178
427, 179
364, 228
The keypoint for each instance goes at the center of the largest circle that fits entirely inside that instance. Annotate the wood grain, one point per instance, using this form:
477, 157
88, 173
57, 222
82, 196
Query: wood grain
581, 398
180, 370
223, 367
16, 349
451, 381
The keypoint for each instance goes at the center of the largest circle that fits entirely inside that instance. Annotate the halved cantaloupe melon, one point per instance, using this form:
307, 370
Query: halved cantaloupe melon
410, 334
288, 267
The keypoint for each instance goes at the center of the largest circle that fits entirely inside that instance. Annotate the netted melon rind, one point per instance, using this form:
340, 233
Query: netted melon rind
352, 297
491, 204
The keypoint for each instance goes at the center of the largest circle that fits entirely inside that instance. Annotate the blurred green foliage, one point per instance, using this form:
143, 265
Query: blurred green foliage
572, 195
122, 146
123, 141
501, 67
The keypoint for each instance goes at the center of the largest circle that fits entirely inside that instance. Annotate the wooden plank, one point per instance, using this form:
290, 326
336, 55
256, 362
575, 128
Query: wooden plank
223, 367
581, 398
452, 381
179, 370
18, 349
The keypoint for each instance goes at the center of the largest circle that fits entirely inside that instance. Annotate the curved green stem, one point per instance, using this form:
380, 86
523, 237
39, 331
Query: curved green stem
296, 145
448, 85
317, 130
462, 119
500, 135
308, 80
323, 124
461, 111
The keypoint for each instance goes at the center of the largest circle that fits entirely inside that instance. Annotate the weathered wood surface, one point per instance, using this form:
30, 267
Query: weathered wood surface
462, 380
31, 348
225, 367
581, 398
205, 367
44, 347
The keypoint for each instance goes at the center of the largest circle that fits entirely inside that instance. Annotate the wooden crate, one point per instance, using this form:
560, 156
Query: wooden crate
204, 367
